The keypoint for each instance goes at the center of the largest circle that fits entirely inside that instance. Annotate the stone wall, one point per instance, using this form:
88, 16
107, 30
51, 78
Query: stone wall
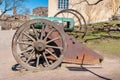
40, 11
14, 17
10, 25
9, 22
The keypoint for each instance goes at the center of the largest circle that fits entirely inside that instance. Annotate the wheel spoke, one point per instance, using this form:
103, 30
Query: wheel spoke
24, 39
29, 36
38, 48
31, 55
34, 31
48, 34
24, 51
53, 39
38, 58
46, 58
42, 31
51, 53
26, 43
67, 15
54, 47
73, 18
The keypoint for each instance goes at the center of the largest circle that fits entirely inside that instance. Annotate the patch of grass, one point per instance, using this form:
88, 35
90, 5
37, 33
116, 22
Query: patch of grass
106, 47
104, 43
106, 22
101, 42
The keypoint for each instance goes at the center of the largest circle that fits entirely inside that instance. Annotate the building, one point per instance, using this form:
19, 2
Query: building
102, 11
40, 11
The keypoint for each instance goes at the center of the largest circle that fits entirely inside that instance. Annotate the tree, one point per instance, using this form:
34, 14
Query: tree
86, 7
86, 1
25, 11
10, 4
0, 1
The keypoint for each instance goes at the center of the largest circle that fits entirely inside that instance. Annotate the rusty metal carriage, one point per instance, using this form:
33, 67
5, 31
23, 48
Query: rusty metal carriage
43, 44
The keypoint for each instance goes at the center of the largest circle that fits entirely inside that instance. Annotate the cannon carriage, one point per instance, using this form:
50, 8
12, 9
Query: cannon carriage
43, 44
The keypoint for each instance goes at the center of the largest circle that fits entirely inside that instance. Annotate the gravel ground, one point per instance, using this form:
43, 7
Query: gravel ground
108, 70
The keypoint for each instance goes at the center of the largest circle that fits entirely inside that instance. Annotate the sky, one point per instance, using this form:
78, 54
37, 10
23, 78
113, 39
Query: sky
36, 3
31, 4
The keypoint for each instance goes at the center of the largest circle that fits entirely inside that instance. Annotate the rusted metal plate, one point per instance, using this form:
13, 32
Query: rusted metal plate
78, 53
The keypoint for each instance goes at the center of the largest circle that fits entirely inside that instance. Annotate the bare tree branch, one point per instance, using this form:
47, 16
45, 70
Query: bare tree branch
10, 4
93, 3
86, 2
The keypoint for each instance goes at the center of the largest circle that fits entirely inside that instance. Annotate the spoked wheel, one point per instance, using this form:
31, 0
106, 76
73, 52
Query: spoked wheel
80, 23
39, 45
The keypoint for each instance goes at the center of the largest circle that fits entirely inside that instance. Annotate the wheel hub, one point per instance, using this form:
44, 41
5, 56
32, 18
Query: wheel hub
40, 45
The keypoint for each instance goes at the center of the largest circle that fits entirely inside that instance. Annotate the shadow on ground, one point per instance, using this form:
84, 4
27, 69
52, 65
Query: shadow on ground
85, 69
17, 67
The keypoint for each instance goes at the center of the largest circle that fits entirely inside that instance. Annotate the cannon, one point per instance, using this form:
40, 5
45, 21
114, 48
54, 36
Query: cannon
43, 44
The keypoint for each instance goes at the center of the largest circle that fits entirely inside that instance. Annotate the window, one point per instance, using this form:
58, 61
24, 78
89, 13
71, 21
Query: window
63, 4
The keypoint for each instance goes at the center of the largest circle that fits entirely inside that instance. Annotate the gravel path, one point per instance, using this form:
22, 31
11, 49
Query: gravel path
109, 70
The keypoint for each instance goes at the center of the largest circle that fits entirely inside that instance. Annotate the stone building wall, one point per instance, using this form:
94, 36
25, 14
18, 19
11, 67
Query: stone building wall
40, 11
95, 13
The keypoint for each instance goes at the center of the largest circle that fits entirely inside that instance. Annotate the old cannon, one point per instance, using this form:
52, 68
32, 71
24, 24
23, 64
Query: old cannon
43, 44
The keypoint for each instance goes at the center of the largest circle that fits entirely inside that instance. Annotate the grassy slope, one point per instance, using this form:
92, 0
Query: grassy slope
109, 47
104, 44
